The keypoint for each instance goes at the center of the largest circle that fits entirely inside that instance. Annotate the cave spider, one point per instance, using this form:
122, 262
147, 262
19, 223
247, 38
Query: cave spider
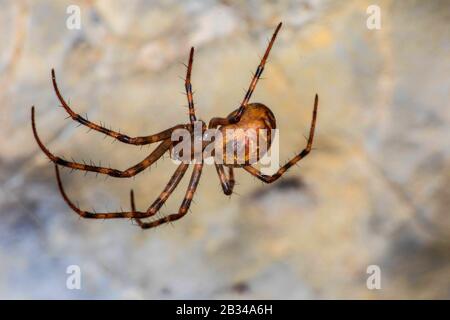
247, 115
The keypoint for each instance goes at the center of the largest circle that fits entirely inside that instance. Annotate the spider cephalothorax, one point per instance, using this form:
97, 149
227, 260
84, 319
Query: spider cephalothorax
253, 116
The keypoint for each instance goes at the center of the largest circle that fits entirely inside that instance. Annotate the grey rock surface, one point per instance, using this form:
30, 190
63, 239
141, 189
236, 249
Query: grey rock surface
375, 191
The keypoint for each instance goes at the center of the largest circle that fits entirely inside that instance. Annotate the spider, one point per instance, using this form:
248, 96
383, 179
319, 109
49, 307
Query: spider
247, 115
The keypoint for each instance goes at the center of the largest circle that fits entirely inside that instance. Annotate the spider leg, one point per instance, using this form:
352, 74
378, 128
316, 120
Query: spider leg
117, 135
226, 182
236, 116
93, 215
188, 87
269, 179
193, 183
165, 194
133, 206
149, 160
215, 122
256, 76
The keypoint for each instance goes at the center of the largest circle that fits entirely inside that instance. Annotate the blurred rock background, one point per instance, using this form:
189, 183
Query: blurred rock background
376, 191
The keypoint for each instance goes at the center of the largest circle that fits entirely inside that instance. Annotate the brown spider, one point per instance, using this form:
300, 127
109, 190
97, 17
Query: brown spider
248, 115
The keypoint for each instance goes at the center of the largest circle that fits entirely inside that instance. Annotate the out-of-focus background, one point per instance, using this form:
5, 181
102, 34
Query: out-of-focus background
375, 191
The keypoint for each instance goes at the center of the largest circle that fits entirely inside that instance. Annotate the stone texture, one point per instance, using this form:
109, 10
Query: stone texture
375, 190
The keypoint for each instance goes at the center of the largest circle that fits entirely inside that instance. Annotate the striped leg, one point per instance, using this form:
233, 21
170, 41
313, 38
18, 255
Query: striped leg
117, 135
269, 179
256, 76
226, 182
193, 183
95, 215
133, 205
170, 187
215, 122
188, 87
149, 160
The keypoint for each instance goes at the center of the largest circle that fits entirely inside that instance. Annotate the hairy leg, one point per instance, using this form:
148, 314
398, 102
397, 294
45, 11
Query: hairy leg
149, 160
193, 183
256, 77
226, 182
170, 187
188, 87
117, 135
94, 215
269, 179
215, 122
236, 116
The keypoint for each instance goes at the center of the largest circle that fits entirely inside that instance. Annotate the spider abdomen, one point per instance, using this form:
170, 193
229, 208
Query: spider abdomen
248, 140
